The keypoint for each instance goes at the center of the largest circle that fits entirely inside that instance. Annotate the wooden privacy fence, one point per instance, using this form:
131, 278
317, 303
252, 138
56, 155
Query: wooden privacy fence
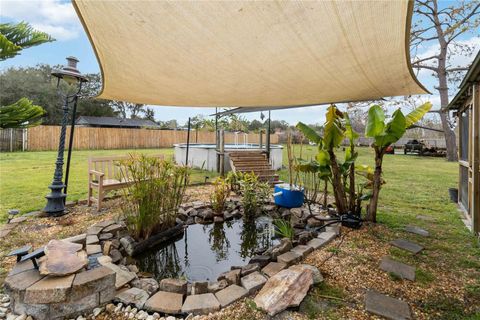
12, 140
44, 138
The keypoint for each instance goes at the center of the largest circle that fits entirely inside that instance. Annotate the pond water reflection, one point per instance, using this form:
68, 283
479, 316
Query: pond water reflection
205, 251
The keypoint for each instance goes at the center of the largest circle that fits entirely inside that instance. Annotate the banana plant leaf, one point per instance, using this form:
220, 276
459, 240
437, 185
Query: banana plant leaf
309, 133
375, 122
417, 114
334, 132
394, 130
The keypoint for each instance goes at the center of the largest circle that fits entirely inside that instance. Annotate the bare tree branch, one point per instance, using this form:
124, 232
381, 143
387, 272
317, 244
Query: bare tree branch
456, 69
422, 66
425, 59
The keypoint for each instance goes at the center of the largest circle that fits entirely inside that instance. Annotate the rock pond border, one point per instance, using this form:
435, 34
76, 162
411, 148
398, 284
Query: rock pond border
109, 278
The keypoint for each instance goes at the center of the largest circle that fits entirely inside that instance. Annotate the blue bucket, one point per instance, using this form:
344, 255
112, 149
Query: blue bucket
284, 197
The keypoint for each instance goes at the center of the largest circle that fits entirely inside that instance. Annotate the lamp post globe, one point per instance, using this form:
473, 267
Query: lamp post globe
70, 74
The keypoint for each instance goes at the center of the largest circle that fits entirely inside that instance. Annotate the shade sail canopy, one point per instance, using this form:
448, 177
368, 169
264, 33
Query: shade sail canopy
250, 53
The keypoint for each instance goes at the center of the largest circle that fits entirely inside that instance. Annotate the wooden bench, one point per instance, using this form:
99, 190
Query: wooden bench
104, 175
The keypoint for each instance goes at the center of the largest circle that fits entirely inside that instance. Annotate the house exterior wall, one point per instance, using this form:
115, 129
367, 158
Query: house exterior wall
469, 155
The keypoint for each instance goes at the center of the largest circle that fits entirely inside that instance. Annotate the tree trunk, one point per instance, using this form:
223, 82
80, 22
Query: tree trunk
450, 139
338, 189
377, 183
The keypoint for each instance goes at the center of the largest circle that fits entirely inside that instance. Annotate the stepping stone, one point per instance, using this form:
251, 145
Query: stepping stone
289, 258
417, 230
407, 245
273, 268
425, 218
18, 220
165, 302
230, 294
302, 250
400, 269
133, 296
387, 307
4, 233
201, 304
253, 281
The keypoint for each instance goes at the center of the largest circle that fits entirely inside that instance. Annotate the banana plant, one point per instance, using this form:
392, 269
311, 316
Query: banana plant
341, 175
384, 134
315, 170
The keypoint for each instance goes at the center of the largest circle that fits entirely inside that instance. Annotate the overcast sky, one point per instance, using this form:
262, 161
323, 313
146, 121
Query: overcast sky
58, 18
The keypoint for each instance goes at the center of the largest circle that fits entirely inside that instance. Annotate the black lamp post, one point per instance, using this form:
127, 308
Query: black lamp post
69, 73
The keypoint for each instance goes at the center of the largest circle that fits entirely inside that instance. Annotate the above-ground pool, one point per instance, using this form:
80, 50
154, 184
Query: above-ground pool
204, 156
203, 252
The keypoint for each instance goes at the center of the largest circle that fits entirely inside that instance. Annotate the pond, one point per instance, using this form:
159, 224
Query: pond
203, 252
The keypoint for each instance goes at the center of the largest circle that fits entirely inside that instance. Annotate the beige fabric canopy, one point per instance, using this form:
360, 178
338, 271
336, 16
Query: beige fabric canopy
250, 53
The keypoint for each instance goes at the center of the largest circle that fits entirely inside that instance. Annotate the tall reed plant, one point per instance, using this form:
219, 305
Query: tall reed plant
154, 193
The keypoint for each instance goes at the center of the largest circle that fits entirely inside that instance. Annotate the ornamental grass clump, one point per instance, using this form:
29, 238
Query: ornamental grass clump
155, 191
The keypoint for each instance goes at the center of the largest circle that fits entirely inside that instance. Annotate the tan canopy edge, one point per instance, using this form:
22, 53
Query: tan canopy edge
250, 53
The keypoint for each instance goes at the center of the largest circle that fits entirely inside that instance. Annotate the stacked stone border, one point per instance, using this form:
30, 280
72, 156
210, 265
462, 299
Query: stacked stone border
111, 275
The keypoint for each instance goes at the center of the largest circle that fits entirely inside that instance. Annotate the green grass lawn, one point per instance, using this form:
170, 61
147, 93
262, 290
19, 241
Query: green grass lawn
25, 176
415, 185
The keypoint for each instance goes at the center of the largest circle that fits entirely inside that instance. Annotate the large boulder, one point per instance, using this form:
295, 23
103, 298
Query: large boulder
285, 289
61, 259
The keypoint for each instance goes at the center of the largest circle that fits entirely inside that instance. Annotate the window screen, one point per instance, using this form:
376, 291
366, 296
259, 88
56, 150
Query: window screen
464, 187
464, 135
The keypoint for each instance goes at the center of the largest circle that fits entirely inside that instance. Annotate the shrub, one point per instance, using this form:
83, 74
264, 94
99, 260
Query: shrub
221, 191
254, 193
152, 198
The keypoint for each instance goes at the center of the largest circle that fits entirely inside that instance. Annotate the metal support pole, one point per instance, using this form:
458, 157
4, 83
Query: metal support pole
217, 142
188, 142
260, 139
222, 152
70, 143
268, 137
